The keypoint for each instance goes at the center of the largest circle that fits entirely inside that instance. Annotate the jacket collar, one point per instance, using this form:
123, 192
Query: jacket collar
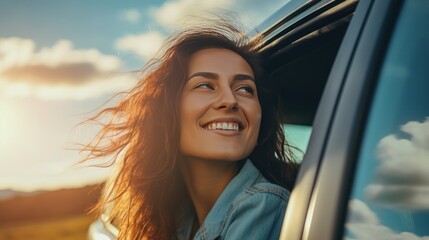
213, 224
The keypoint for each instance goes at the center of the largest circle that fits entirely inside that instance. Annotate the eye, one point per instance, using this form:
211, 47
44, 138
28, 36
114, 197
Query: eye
205, 86
246, 89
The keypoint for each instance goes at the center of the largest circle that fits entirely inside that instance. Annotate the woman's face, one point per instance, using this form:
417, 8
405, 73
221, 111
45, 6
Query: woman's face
220, 114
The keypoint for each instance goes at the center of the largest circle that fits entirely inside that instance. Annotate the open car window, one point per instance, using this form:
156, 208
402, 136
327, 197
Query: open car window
299, 63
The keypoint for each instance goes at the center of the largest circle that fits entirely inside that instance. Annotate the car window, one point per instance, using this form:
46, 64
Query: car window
390, 194
297, 136
299, 90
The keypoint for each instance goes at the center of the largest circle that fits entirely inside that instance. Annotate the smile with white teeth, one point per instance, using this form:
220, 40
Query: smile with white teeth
229, 126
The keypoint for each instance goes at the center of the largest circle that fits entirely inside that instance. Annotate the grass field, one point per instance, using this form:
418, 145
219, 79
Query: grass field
72, 228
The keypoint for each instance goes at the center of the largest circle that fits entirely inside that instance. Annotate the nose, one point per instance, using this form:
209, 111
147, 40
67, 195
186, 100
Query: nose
226, 100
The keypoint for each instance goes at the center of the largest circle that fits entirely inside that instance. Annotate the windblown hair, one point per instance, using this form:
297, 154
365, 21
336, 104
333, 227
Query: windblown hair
143, 136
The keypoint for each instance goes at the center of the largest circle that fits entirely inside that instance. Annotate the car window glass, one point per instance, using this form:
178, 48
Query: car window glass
390, 195
297, 136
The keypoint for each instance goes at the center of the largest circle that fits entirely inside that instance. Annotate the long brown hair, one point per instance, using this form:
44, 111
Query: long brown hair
143, 136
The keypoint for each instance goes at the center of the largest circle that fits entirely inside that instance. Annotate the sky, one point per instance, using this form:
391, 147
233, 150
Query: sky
61, 60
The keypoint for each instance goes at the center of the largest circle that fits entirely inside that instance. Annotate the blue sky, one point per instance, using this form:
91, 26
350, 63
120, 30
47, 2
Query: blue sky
88, 23
61, 59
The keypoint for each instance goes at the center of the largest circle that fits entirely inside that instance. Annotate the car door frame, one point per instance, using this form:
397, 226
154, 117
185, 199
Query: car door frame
319, 200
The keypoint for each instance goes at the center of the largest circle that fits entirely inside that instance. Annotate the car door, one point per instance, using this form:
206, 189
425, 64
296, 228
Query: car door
368, 156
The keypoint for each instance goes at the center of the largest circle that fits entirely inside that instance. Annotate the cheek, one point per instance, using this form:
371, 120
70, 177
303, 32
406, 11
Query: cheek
254, 116
185, 111
258, 119
255, 113
191, 109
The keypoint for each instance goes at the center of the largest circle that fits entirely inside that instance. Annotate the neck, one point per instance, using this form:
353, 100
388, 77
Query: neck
205, 181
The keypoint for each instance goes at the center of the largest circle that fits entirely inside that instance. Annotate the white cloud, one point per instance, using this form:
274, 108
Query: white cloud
254, 12
145, 45
363, 224
251, 12
361, 213
402, 178
173, 12
57, 72
131, 15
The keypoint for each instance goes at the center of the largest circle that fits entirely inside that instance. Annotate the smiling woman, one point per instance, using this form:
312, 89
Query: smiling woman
220, 110
203, 153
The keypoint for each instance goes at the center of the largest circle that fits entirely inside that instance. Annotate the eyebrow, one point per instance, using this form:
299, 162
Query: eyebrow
214, 76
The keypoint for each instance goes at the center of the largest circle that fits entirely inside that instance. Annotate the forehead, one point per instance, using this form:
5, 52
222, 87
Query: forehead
218, 60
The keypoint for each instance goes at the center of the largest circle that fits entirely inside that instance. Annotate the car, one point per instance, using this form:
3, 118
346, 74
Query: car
357, 73
352, 79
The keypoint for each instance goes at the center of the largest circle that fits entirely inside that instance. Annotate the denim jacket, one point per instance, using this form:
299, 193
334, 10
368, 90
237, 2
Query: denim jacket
250, 207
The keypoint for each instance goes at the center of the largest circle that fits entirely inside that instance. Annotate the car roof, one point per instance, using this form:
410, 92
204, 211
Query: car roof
282, 15
294, 14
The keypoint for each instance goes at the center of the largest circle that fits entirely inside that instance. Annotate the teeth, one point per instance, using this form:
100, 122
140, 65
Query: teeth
231, 126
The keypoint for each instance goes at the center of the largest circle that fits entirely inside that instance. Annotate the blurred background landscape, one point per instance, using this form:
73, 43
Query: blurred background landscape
60, 61
57, 214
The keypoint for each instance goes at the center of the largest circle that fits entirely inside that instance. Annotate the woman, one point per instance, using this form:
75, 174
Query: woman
200, 149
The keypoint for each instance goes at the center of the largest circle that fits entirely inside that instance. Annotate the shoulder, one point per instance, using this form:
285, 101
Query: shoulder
258, 211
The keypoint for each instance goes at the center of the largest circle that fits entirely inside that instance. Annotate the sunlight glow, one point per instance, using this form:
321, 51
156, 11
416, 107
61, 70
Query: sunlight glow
8, 126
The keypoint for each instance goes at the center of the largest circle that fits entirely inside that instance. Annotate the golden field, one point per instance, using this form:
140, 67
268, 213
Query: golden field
71, 228
49, 215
